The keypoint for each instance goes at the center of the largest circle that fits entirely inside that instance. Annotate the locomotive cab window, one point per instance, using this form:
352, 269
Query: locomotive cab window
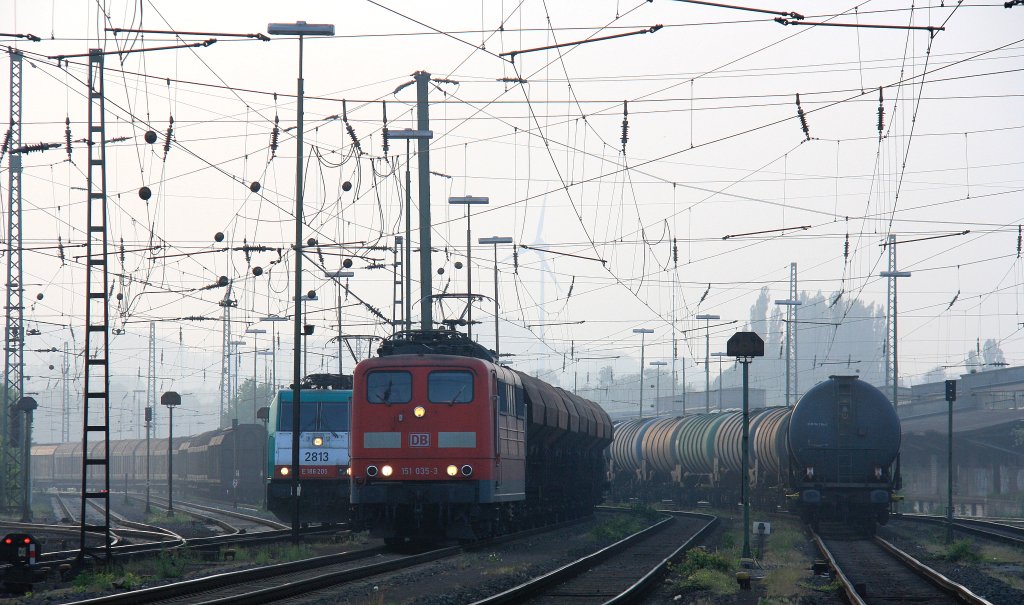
389, 387
307, 416
334, 417
450, 387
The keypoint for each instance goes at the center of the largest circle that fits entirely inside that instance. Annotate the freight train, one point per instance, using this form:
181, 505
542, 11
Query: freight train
831, 457
225, 464
448, 444
323, 450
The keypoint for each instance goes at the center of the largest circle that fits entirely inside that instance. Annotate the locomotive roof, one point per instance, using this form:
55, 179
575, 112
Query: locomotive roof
437, 342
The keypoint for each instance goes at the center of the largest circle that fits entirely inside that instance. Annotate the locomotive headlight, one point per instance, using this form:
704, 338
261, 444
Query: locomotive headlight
371, 471
452, 470
386, 470
348, 471
284, 471
878, 472
467, 470
419, 411
810, 472
318, 441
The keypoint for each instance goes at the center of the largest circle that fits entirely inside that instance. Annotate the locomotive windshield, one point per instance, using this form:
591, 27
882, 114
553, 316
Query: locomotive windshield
334, 417
307, 416
450, 387
389, 387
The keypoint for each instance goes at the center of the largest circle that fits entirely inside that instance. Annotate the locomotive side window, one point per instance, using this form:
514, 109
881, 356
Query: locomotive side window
389, 387
334, 417
307, 416
504, 405
450, 387
520, 402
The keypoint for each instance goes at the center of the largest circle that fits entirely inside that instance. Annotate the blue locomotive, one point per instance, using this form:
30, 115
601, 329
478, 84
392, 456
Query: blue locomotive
844, 437
324, 420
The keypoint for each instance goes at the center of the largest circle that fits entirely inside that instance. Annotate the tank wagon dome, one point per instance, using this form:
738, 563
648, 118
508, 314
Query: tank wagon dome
844, 414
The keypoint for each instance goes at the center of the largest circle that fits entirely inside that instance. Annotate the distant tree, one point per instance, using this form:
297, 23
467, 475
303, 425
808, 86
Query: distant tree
243, 403
606, 376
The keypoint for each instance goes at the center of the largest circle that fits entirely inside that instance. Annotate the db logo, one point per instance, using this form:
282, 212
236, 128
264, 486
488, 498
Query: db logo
419, 439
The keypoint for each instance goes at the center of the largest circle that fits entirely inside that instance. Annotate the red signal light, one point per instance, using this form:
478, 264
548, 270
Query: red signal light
28, 540
8, 541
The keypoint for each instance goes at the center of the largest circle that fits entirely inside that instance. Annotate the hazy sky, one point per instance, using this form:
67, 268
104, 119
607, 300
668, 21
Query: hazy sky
715, 148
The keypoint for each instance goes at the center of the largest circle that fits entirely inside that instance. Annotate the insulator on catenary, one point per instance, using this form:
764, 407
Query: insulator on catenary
625, 125
320, 254
122, 252
675, 251
7, 142
571, 286
515, 261
803, 118
245, 250
167, 137
1019, 236
352, 135
384, 106
274, 134
67, 136
846, 247
881, 113
60, 251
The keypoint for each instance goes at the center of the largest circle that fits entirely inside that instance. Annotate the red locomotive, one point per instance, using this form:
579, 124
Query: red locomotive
446, 443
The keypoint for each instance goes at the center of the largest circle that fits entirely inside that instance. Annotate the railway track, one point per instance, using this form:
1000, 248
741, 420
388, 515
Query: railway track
231, 520
619, 573
277, 582
873, 571
991, 530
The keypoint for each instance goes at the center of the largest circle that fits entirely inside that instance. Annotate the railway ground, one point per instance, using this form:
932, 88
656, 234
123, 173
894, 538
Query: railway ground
781, 572
990, 569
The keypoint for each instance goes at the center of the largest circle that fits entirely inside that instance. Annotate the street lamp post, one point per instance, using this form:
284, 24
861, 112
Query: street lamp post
171, 400
300, 29
255, 350
409, 134
707, 354
657, 387
745, 346
495, 240
643, 332
337, 276
719, 355
273, 319
469, 201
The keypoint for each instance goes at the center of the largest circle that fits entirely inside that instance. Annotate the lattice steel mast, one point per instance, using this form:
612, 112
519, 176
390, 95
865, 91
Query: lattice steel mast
14, 342
225, 361
96, 411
